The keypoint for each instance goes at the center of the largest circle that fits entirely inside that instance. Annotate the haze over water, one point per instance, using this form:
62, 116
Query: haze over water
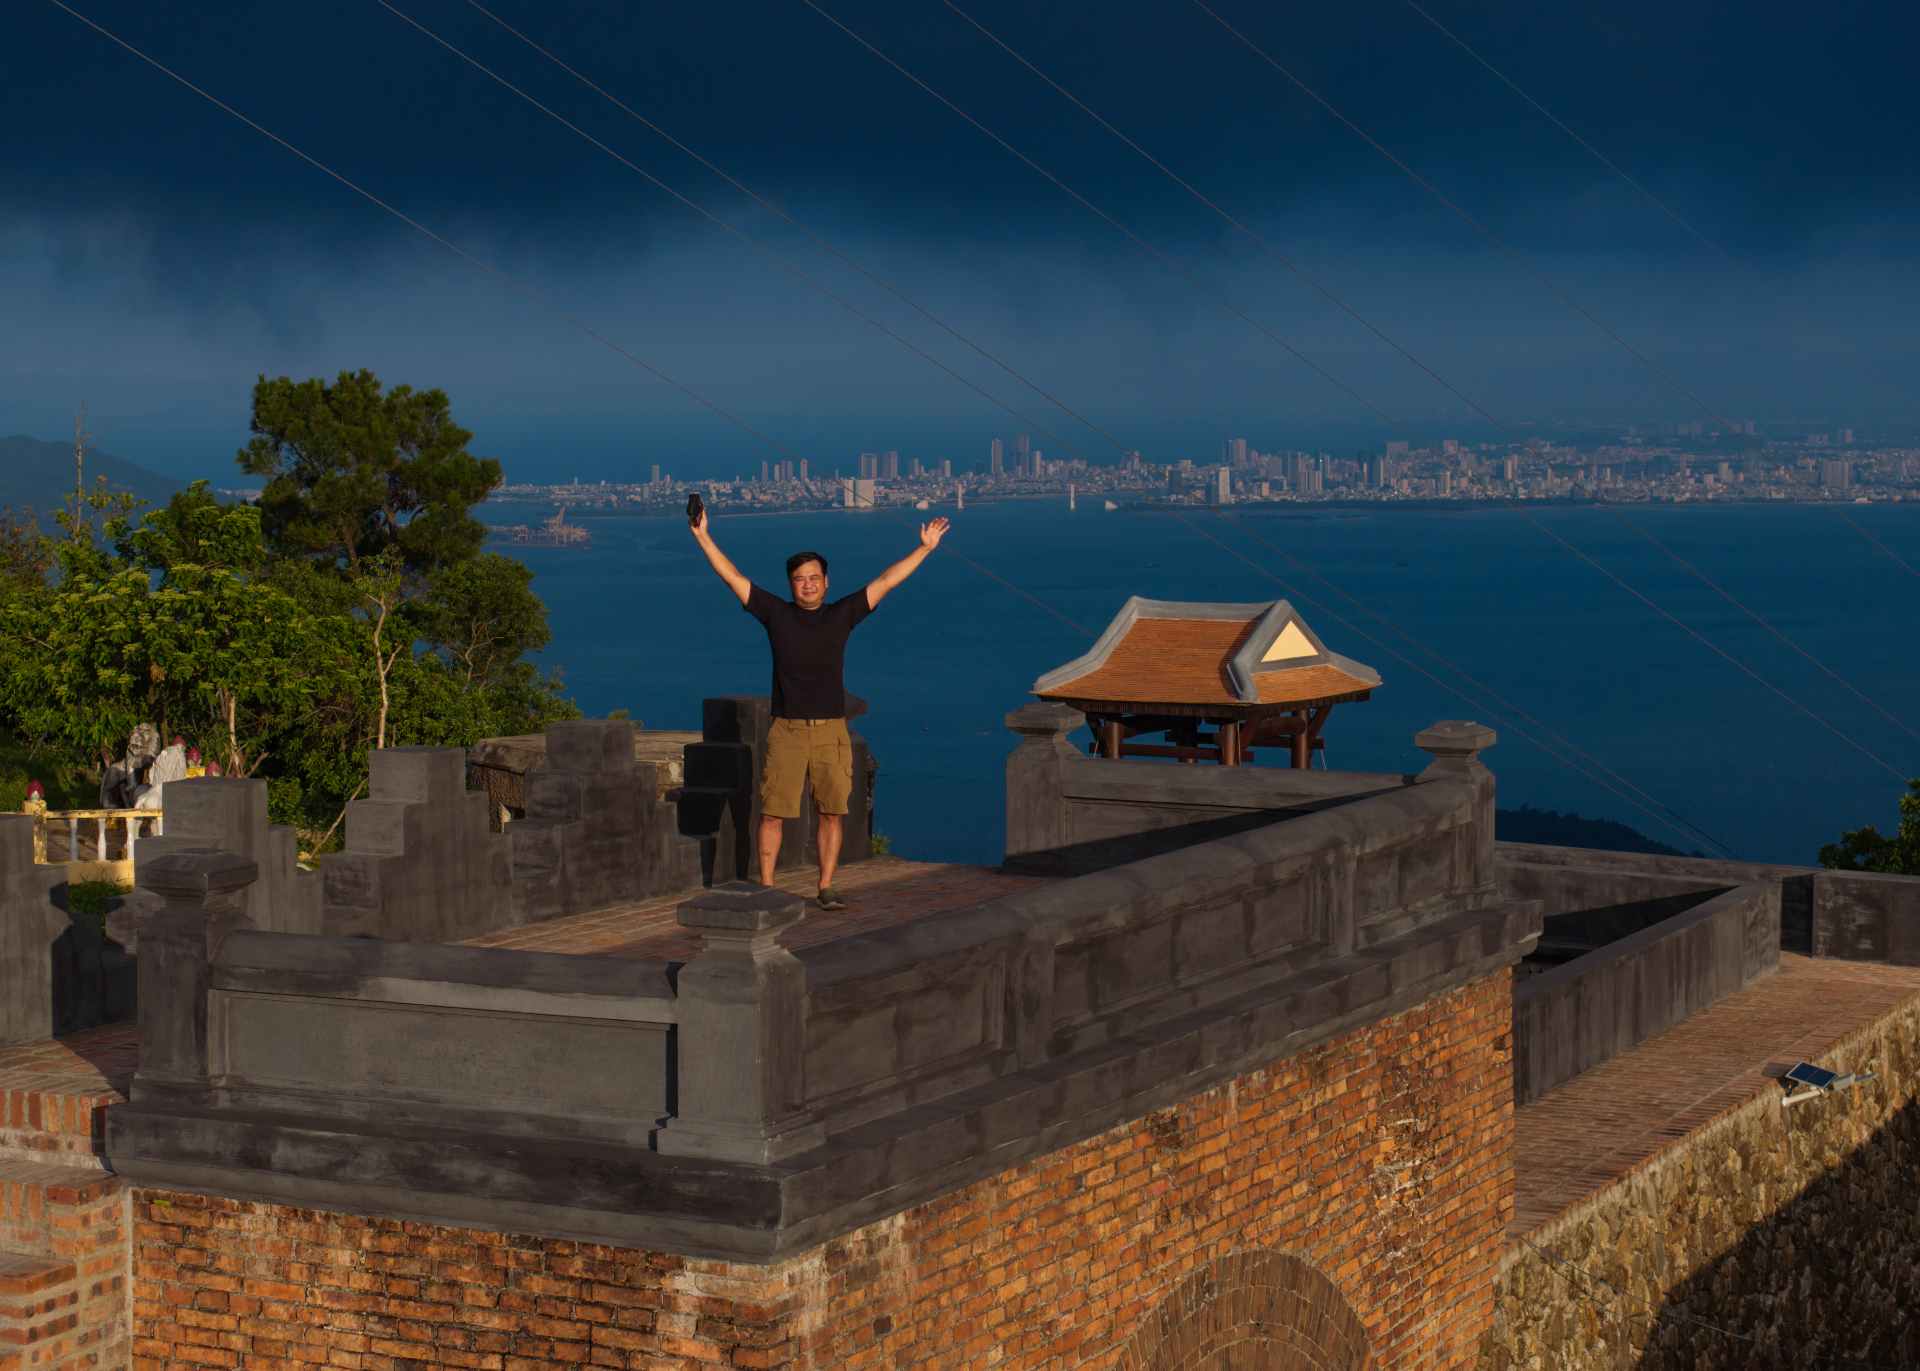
640, 622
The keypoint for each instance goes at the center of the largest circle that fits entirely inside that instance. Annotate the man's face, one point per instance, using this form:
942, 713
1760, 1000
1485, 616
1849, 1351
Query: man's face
809, 583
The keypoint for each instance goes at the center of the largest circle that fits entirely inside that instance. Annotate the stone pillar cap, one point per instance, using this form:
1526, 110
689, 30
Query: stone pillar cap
1455, 738
1042, 718
197, 873
742, 907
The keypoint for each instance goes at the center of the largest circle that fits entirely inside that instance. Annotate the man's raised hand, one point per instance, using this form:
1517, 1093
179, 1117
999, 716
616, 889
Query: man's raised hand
931, 534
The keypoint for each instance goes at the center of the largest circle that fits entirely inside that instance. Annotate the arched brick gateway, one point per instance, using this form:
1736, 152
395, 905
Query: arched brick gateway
1252, 1311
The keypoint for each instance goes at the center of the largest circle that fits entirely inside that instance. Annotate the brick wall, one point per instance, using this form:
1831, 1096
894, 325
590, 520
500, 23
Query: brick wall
1348, 1202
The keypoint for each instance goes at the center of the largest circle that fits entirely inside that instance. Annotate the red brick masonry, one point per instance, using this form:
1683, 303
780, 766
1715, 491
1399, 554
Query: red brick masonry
1348, 1203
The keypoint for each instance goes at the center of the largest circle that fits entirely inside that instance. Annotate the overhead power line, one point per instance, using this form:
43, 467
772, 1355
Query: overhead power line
1895, 557
781, 259
1156, 253
1485, 231
1707, 642
1728, 596
1670, 814
1561, 124
1265, 243
499, 273
1552, 752
786, 216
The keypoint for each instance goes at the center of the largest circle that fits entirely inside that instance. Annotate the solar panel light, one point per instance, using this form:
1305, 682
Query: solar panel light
1814, 1081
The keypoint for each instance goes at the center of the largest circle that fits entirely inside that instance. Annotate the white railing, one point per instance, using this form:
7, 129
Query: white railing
61, 838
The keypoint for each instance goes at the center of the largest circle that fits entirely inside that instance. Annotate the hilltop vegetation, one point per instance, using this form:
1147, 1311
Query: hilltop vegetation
351, 608
38, 475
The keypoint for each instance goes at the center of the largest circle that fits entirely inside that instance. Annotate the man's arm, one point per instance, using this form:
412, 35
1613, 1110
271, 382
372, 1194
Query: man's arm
930, 536
717, 559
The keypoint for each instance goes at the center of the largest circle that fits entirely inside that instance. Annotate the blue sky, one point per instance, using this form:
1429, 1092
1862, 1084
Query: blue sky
156, 255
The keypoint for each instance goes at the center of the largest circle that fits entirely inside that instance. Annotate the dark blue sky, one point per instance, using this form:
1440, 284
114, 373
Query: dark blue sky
156, 255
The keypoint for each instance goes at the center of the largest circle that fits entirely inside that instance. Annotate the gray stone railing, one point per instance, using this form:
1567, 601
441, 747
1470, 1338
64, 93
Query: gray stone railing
1068, 813
912, 1013
230, 815
753, 1100
422, 862
1848, 915
246, 1023
1583, 1012
30, 924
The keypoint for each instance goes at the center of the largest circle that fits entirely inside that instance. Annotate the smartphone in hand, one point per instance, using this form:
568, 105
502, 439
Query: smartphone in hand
694, 509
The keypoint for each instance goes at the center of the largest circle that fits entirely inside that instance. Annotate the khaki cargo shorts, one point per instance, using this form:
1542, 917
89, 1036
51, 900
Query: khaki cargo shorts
807, 751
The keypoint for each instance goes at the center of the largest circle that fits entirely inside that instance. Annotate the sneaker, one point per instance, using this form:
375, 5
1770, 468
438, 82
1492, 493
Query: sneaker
830, 899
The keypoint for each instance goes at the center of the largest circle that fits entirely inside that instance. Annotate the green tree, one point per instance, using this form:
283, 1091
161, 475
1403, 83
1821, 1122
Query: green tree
26, 556
1867, 849
353, 469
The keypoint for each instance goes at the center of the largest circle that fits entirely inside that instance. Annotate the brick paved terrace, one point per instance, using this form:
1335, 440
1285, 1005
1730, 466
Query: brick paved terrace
879, 894
1610, 1121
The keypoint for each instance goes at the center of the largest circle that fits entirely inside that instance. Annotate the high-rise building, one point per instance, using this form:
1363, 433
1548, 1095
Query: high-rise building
1846, 437
863, 494
654, 479
946, 468
1220, 488
1022, 445
803, 468
1510, 469
846, 492
765, 473
869, 465
1036, 464
916, 471
997, 457
1379, 469
1236, 452
889, 465
1836, 474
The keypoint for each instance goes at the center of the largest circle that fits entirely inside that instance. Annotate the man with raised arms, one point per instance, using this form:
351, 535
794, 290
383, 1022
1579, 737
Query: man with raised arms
808, 743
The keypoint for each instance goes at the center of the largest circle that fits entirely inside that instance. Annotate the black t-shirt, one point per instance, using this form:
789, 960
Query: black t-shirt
809, 650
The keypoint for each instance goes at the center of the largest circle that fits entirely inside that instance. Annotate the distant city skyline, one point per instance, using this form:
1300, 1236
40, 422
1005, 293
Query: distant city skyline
167, 254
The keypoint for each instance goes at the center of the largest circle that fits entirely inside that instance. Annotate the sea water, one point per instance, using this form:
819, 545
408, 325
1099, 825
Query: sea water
640, 622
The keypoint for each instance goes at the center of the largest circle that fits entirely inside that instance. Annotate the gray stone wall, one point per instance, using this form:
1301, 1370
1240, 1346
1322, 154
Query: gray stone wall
421, 863
1770, 1240
799, 1094
29, 925
1578, 1015
1068, 814
1852, 916
231, 816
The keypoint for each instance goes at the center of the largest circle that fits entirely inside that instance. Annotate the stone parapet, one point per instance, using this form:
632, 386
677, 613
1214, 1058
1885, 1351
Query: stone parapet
29, 925
804, 1095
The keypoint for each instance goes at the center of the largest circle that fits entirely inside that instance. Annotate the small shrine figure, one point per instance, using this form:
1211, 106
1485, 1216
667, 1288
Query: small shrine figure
36, 803
195, 767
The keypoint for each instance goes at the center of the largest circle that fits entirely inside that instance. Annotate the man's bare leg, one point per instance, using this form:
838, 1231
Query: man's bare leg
772, 829
829, 848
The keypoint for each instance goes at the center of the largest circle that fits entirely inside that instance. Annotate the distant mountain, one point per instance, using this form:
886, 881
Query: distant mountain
1529, 825
40, 474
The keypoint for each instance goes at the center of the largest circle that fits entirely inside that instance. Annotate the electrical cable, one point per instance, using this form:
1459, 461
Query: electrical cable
531, 292
782, 259
824, 244
1265, 243
1294, 593
1864, 751
1673, 815
1860, 529
1506, 249
1159, 255
1701, 576
1561, 124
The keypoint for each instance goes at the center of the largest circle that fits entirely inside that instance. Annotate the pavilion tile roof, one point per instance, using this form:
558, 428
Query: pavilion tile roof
1196, 654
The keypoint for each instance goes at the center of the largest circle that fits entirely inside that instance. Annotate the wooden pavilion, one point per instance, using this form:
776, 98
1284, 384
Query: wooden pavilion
1256, 675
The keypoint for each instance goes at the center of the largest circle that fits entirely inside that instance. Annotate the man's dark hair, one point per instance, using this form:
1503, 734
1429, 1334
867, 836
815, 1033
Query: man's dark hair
800, 559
